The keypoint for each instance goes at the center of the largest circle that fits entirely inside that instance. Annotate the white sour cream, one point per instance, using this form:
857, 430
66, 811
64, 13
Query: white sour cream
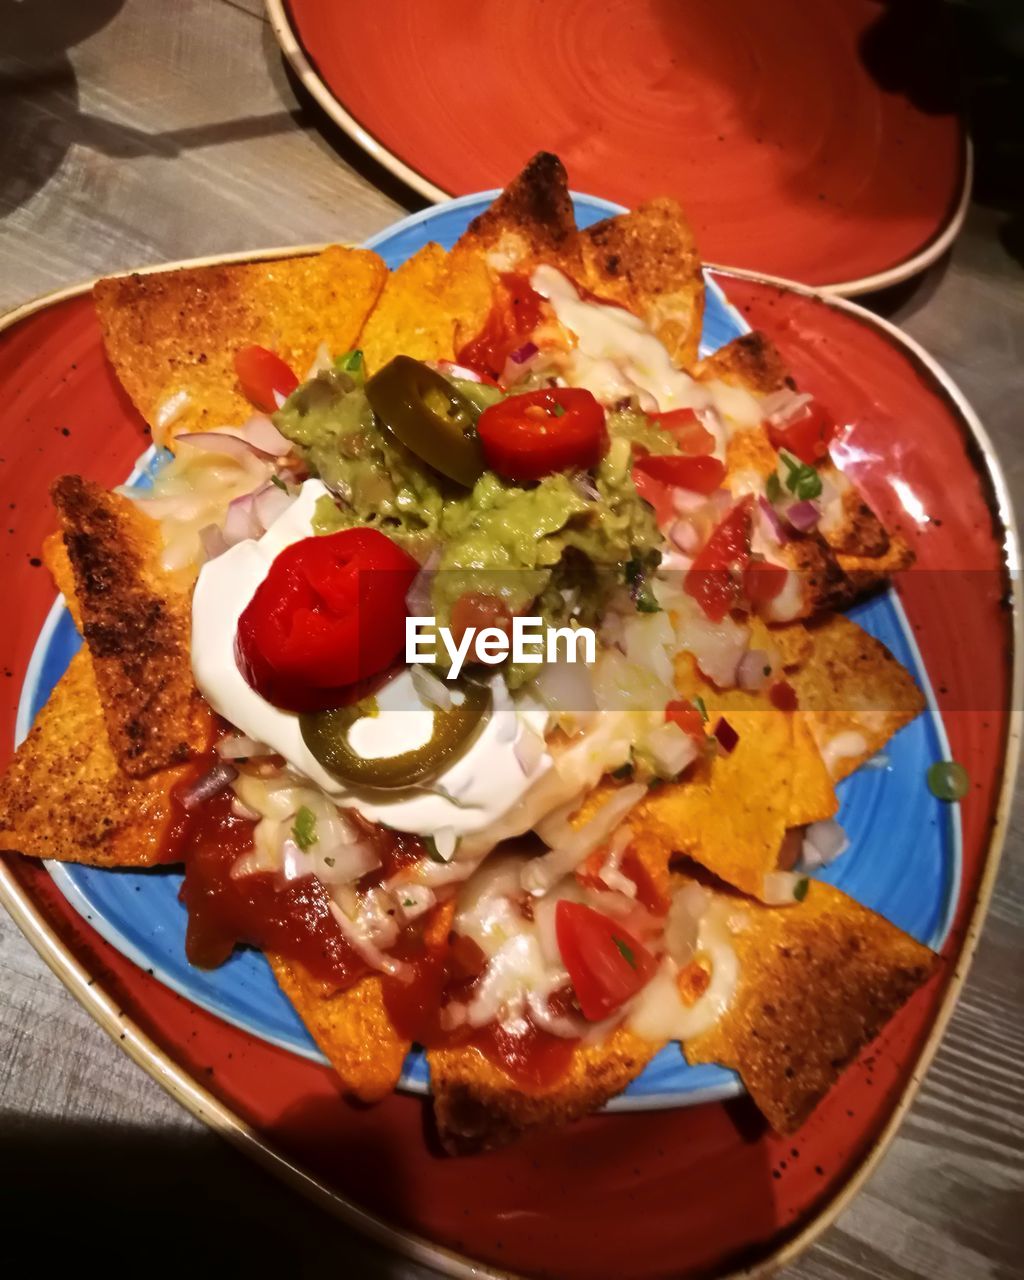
472, 794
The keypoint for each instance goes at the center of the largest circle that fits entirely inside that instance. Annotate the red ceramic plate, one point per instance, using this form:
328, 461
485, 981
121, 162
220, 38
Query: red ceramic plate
706, 1191
791, 157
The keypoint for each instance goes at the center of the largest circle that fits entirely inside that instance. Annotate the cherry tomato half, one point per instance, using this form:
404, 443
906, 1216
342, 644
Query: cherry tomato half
807, 435
701, 474
529, 436
515, 313
329, 615
686, 429
261, 373
713, 578
606, 965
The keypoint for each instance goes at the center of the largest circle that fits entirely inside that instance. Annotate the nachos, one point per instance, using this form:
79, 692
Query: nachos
540, 871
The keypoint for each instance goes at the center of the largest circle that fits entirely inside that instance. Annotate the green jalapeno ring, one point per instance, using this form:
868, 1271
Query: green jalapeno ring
426, 414
325, 733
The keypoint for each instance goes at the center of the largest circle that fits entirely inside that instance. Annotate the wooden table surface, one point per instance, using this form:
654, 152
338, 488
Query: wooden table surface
138, 131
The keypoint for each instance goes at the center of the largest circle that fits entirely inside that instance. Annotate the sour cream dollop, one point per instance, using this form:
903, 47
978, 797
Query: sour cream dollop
480, 786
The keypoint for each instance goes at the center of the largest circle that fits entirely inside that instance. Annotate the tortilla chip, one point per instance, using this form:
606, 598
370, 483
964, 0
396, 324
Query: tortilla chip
853, 694
751, 361
136, 621
55, 557
647, 261
531, 221
478, 1107
424, 303
351, 1028
178, 331
64, 795
818, 980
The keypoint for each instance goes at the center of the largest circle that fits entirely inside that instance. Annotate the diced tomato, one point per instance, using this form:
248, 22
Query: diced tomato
515, 313
528, 436
588, 873
261, 374
807, 435
687, 430
686, 716
701, 475
782, 696
606, 965
648, 892
713, 579
763, 580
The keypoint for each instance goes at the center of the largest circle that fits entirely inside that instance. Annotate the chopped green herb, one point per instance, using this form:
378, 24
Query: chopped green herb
800, 889
626, 951
304, 828
643, 596
280, 483
802, 480
701, 706
558, 410
408, 902
948, 780
645, 601
773, 487
352, 364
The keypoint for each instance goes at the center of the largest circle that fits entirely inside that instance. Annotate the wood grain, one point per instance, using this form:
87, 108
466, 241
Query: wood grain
172, 130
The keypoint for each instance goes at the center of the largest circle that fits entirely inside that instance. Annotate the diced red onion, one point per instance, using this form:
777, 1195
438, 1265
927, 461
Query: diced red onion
685, 501
803, 516
261, 434
241, 523
782, 405
212, 540
726, 736
566, 686
776, 527
414, 900
270, 503
751, 673
212, 783
430, 688
686, 536
526, 352
584, 485
528, 749
418, 598
823, 843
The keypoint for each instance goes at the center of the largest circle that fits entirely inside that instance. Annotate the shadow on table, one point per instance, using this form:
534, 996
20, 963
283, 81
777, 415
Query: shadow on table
182, 1201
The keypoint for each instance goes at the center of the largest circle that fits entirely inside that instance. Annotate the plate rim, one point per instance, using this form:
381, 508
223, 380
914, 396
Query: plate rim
179, 1084
931, 251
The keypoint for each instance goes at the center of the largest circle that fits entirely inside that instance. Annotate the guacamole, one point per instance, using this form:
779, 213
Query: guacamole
558, 545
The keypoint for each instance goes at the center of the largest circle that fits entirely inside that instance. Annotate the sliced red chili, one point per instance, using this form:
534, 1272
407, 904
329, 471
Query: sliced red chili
528, 436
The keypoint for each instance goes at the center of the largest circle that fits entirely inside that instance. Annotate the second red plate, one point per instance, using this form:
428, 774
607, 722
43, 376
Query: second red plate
764, 121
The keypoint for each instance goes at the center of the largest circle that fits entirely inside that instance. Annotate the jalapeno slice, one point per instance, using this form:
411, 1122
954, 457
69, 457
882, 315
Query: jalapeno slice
424, 412
326, 735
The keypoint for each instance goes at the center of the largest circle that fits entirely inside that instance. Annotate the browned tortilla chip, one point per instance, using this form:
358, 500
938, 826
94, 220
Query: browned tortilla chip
647, 261
55, 557
423, 305
852, 692
478, 1107
531, 221
751, 361
135, 619
818, 980
177, 331
64, 795
352, 1028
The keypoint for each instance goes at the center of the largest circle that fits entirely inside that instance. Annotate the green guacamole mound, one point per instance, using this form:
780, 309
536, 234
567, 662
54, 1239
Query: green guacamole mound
559, 545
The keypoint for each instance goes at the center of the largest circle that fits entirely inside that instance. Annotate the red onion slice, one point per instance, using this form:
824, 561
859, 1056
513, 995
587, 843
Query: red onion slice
776, 527
260, 433
241, 523
270, 503
526, 352
212, 783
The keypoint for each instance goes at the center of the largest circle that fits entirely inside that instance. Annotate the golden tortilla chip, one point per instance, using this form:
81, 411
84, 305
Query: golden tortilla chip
853, 694
647, 261
352, 1028
64, 794
424, 303
55, 557
174, 332
136, 622
478, 1107
818, 980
